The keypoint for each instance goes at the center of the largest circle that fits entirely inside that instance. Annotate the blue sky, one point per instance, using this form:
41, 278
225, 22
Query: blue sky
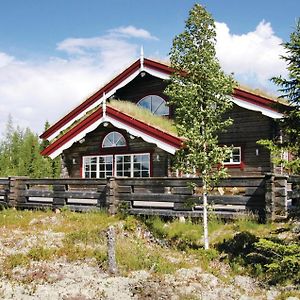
53, 54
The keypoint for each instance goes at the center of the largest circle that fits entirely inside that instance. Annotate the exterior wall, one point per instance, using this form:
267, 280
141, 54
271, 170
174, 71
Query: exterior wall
92, 145
249, 127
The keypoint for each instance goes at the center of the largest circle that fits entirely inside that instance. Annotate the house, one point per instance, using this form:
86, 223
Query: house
135, 137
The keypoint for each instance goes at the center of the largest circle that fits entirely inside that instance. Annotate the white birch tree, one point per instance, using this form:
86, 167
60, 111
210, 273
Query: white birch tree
199, 91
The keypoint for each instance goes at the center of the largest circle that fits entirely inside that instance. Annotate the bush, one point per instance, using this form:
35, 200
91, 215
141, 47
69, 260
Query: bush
280, 262
273, 260
241, 244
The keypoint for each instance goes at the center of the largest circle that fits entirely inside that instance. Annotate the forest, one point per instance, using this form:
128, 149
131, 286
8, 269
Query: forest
20, 154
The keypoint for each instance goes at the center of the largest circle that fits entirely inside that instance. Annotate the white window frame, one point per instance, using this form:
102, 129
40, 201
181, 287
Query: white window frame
231, 162
121, 137
97, 166
114, 164
131, 162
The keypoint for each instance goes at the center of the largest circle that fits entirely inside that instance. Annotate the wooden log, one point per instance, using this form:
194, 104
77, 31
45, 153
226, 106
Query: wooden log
124, 189
111, 251
66, 181
239, 200
182, 190
172, 213
294, 194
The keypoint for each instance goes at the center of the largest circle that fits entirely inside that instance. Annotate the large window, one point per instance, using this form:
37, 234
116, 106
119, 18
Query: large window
133, 165
98, 166
125, 165
235, 157
114, 139
156, 104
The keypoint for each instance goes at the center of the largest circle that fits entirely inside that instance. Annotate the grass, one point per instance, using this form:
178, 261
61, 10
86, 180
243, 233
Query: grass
171, 244
144, 115
163, 123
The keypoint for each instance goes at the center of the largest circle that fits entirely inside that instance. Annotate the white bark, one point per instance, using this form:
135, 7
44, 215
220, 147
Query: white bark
205, 218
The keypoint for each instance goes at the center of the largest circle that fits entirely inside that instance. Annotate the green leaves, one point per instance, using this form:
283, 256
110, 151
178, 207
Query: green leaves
200, 96
20, 155
290, 124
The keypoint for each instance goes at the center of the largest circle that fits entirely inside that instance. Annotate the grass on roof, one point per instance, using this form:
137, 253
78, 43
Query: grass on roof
144, 115
262, 93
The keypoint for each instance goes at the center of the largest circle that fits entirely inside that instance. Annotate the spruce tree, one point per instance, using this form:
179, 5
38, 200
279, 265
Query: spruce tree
200, 91
289, 125
20, 155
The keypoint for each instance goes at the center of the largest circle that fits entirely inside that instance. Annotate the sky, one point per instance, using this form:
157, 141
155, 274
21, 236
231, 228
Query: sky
54, 54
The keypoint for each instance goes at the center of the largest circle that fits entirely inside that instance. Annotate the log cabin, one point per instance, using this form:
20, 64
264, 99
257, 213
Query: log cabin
126, 129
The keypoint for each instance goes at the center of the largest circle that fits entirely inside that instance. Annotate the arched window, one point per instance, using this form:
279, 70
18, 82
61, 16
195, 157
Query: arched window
156, 104
114, 139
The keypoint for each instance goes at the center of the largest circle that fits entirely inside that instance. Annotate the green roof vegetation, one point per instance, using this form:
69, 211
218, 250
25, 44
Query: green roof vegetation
76, 122
262, 93
160, 122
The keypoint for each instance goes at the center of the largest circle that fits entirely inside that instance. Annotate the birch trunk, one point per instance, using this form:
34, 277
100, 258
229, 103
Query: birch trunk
205, 218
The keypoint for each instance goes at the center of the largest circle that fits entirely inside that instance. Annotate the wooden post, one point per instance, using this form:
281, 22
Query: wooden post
58, 199
16, 187
276, 196
269, 197
280, 200
112, 201
111, 251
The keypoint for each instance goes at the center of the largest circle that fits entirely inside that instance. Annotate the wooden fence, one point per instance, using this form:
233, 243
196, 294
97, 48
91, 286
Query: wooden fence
266, 196
4, 191
294, 190
177, 197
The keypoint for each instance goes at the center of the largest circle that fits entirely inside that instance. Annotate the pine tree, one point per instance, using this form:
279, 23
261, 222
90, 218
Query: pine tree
289, 125
20, 155
200, 91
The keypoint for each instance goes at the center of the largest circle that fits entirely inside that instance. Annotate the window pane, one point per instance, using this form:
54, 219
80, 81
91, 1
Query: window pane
145, 166
136, 174
235, 156
114, 139
141, 165
145, 174
156, 104
127, 158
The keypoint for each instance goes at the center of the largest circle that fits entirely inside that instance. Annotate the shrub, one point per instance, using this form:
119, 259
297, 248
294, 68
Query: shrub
272, 260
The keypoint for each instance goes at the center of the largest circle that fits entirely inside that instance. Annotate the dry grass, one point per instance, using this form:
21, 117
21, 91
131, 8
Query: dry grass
153, 245
144, 115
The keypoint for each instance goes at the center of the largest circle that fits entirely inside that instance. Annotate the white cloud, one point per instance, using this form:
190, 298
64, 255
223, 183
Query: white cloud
5, 59
253, 56
131, 31
33, 92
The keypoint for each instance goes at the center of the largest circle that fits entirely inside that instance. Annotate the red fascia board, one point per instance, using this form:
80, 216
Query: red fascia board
145, 128
96, 115
254, 99
158, 66
91, 100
